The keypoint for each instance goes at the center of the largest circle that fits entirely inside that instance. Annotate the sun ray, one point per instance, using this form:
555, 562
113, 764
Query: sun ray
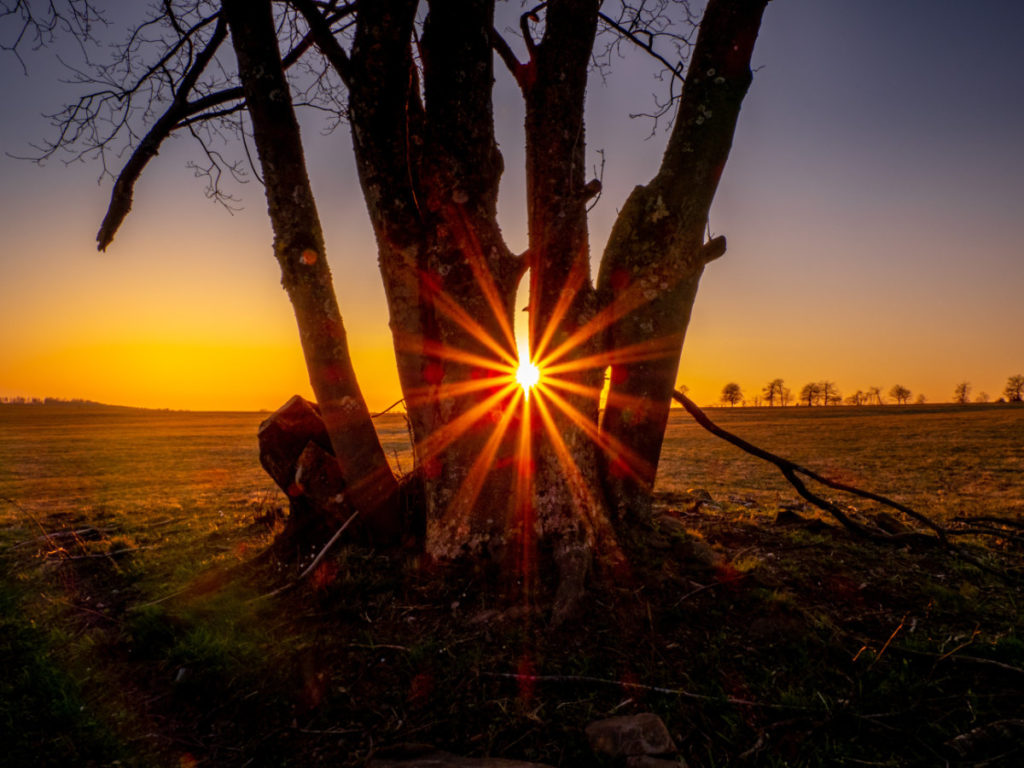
429, 393
453, 310
652, 349
616, 398
437, 441
634, 296
597, 524
473, 483
481, 271
432, 348
635, 465
523, 508
577, 275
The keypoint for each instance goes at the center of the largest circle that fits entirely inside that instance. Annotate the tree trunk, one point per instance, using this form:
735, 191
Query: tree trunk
564, 337
655, 255
430, 177
370, 485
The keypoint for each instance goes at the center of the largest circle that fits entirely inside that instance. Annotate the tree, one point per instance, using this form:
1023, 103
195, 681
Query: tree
857, 398
785, 396
982, 397
1014, 390
811, 393
504, 476
732, 394
874, 394
962, 393
773, 392
900, 394
829, 393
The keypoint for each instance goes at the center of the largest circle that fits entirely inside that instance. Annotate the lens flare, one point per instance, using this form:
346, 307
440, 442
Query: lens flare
527, 374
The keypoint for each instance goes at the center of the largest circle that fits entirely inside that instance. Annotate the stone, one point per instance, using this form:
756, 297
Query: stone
283, 437
630, 735
418, 756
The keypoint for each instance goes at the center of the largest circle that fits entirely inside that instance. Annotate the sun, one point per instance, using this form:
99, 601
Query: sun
527, 374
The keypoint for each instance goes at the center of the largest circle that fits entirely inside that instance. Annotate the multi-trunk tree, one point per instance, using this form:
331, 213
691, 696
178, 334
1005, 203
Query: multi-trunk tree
505, 476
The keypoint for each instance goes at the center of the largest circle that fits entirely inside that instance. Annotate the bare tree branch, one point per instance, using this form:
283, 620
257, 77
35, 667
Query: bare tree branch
121, 196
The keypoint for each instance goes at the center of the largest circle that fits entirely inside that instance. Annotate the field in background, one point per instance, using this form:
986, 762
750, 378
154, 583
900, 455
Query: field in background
79, 460
940, 459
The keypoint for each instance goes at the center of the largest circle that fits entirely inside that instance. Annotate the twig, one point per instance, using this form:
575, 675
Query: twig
390, 407
316, 560
889, 641
696, 591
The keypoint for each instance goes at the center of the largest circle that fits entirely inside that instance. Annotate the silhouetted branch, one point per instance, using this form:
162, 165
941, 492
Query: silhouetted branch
508, 56
648, 46
712, 249
789, 469
320, 30
124, 186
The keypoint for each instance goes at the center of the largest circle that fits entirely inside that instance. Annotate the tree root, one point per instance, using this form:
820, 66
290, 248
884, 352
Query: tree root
791, 469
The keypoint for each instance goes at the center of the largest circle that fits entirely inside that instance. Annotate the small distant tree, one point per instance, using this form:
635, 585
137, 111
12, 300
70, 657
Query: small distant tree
773, 391
786, 396
857, 398
830, 394
873, 395
732, 394
921, 399
900, 394
1014, 391
982, 397
810, 394
962, 393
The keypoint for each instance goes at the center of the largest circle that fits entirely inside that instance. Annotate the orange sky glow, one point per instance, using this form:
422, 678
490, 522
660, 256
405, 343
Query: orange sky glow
873, 224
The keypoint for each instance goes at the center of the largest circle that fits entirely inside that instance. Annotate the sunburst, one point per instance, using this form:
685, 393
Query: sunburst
527, 373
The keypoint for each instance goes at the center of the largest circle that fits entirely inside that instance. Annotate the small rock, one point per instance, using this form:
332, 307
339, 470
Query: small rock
630, 735
699, 494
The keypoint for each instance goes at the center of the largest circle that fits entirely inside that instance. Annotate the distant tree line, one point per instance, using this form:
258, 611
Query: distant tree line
45, 401
825, 392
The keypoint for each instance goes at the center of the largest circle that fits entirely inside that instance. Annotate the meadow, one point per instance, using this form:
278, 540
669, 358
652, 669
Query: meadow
134, 628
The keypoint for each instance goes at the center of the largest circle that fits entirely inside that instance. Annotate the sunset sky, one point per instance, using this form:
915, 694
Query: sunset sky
873, 205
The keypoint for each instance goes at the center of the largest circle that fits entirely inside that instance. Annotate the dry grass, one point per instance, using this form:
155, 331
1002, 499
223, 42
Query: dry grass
127, 607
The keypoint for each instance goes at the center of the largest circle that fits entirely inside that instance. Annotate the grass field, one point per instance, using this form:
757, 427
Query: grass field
131, 630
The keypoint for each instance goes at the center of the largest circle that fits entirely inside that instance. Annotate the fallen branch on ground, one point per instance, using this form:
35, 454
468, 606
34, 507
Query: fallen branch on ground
791, 469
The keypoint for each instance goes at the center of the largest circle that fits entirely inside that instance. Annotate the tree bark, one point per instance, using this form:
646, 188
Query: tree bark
370, 485
655, 255
568, 501
430, 170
